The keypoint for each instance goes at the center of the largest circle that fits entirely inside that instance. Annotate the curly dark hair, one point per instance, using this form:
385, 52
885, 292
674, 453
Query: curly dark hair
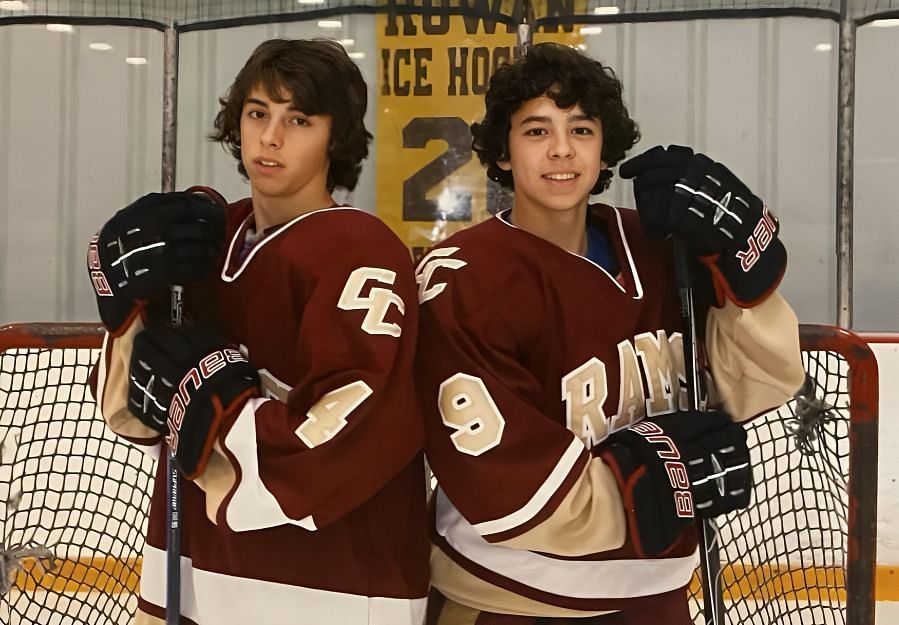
567, 77
321, 80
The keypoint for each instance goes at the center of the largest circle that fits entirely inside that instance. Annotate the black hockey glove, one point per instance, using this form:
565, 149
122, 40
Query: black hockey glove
673, 468
158, 241
727, 226
183, 383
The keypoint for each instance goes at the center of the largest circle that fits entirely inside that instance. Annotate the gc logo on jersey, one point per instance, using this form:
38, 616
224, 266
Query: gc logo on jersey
376, 303
431, 263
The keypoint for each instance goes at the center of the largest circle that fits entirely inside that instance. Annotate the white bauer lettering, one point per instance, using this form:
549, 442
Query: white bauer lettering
759, 240
205, 369
676, 470
98, 278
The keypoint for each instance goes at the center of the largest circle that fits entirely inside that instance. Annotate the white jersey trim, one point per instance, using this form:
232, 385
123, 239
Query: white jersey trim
253, 506
581, 579
261, 244
539, 499
208, 597
638, 286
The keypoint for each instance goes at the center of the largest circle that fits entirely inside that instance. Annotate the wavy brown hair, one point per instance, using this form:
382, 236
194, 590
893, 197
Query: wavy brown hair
320, 79
569, 78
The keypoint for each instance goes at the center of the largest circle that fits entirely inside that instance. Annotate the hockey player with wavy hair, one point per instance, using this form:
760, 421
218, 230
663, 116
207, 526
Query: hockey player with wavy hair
550, 366
287, 394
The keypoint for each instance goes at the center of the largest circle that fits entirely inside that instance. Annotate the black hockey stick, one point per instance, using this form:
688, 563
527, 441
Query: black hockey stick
710, 562
173, 510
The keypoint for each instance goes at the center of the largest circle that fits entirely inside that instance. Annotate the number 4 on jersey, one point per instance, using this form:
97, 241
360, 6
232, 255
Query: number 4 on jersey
329, 415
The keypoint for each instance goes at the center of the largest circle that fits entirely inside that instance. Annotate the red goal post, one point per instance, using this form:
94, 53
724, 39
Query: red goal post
805, 551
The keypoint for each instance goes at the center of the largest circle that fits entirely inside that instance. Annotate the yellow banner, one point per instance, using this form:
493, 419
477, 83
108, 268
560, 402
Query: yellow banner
433, 74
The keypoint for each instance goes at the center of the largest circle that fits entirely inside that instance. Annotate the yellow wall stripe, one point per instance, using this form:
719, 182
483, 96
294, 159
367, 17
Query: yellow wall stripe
107, 575
766, 581
113, 576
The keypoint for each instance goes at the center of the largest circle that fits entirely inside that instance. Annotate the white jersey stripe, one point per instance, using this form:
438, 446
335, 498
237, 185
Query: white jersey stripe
582, 579
208, 597
253, 506
152, 582
538, 501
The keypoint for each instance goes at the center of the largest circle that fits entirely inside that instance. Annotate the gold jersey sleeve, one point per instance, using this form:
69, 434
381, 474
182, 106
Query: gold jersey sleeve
754, 356
111, 392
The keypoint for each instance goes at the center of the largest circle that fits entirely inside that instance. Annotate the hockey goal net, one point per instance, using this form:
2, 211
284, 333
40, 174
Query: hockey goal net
805, 551
76, 498
73, 498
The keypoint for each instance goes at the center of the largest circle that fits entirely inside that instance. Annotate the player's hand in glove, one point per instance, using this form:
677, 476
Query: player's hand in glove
674, 468
726, 225
158, 241
184, 383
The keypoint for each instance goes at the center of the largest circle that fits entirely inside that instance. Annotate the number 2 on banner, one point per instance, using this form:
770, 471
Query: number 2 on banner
417, 134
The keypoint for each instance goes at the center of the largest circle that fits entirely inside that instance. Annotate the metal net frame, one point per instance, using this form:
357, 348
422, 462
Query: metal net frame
199, 12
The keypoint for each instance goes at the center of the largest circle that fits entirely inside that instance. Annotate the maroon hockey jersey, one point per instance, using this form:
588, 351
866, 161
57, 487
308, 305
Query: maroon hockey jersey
312, 507
529, 357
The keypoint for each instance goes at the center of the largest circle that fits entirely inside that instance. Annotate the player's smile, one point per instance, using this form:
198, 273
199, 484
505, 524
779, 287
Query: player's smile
561, 178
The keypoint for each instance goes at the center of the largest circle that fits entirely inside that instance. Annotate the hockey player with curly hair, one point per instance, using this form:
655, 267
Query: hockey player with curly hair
550, 366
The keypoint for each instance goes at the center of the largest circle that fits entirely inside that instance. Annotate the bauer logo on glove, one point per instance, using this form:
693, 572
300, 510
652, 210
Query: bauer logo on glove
674, 467
726, 226
95, 267
759, 240
191, 384
160, 240
187, 383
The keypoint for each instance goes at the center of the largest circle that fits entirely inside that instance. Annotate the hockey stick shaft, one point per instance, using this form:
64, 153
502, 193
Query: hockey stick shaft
710, 564
173, 508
